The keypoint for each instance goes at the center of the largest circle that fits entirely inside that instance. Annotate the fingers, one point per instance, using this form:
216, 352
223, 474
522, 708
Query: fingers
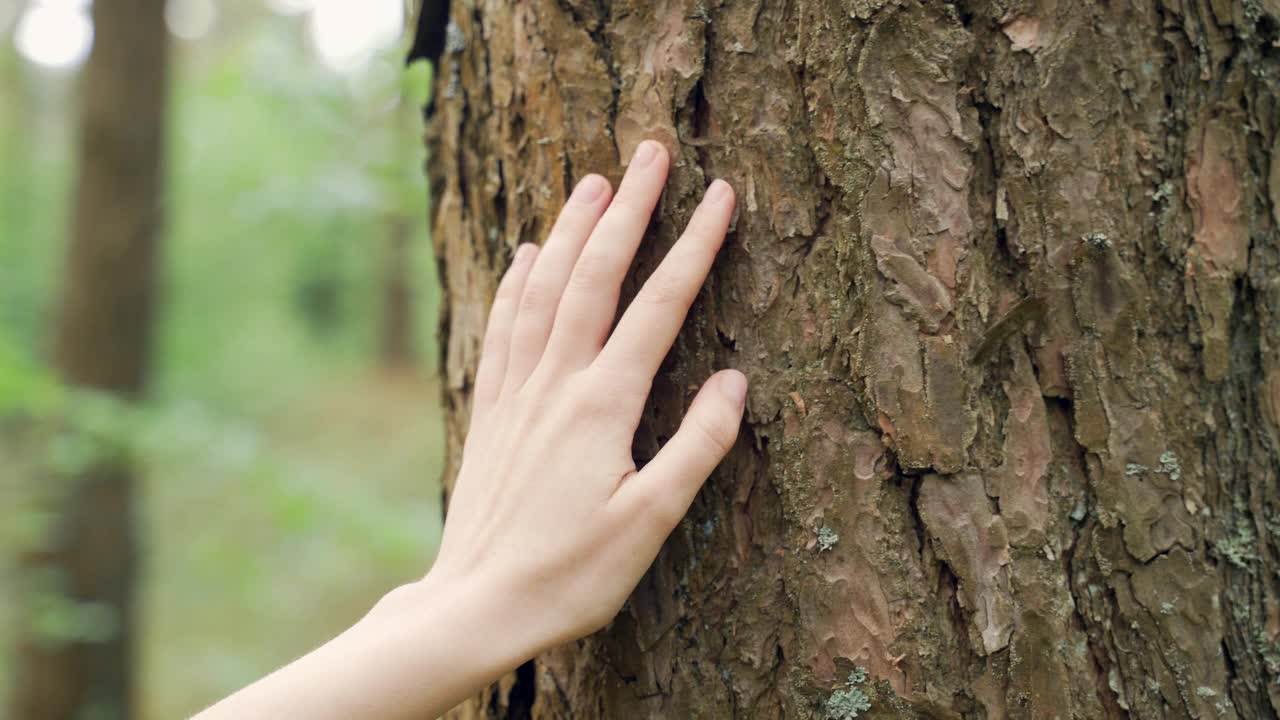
661, 493
649, 326
591, 298
547, 279
502, 318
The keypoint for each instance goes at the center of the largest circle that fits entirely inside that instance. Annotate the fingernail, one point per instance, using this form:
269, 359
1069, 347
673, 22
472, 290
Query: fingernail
718, 192
645, 154
524, 253
590, 188
734, 386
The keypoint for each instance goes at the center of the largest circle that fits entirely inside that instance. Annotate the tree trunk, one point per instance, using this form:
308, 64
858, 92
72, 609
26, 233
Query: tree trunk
102, 343
396, 286
1005, 279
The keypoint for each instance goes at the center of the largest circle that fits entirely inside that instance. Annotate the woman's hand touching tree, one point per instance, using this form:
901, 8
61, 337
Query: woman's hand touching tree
548, 502
551, 525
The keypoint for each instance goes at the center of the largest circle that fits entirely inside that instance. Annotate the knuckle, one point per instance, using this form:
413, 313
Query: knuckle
591, 272
495, 326
536, 388
657, 510
628, 210
506, 293
667, 288
590, 400
613, 389
717, 435
504, 300
536, 297
496, 341
661, 511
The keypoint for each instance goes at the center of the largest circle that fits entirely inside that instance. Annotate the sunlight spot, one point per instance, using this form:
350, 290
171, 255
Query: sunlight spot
55, 34
81, 5
290, 7
190, 19
347, 34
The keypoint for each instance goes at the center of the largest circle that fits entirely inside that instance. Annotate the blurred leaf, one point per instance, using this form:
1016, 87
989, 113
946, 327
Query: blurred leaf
24, 386
59, 620
71, 454
416, 82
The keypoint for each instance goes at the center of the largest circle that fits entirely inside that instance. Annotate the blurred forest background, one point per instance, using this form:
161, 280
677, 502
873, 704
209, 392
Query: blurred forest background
287, 448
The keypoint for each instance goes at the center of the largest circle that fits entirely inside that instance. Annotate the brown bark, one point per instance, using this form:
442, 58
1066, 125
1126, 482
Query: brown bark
1004, 279
397, 337
103, 343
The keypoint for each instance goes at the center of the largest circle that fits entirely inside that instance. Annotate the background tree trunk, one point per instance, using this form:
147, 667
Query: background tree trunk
103, 343
1006, 281
396, 351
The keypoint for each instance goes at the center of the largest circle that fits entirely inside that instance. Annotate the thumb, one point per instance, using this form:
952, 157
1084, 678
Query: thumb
665, 488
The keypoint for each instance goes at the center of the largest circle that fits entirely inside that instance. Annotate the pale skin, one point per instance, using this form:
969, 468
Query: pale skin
551, 525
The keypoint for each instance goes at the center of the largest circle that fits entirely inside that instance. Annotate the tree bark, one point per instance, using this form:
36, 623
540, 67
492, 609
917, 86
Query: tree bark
103, 343
1005, 279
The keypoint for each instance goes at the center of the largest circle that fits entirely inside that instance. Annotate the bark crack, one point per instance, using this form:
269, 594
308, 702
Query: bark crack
1100, 660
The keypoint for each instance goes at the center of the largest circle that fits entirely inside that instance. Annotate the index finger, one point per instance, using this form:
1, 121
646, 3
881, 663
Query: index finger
648, 328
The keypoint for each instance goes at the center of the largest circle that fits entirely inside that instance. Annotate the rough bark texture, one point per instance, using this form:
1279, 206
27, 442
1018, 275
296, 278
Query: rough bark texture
1006, 281
103, 343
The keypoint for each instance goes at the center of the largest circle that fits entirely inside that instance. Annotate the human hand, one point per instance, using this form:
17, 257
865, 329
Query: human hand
548, 506
550, 526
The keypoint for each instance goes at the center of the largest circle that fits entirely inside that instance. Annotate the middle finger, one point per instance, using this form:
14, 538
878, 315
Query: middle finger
591, 298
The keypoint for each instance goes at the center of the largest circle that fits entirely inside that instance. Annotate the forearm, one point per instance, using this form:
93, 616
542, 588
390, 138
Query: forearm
423, 649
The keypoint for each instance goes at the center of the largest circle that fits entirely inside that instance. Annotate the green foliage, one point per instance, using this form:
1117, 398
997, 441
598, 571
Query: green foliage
279, 474
56, 619
26, 387
95, 429
415, 86
284, 187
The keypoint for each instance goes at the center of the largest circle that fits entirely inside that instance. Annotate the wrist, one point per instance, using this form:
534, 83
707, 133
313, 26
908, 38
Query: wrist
484, 623
532, 614
422, 649
428, 645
